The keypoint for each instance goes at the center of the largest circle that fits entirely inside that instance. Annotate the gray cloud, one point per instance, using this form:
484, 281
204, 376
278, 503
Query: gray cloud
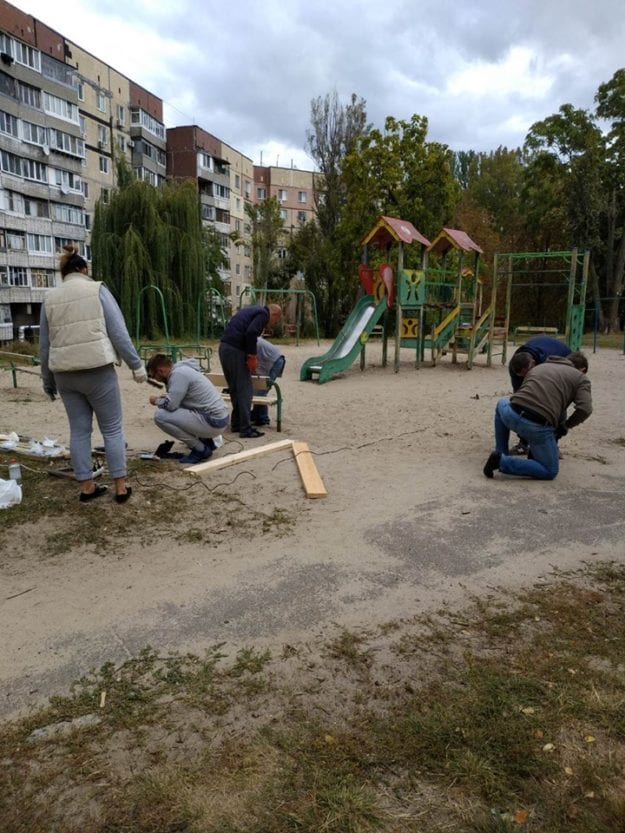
247, 71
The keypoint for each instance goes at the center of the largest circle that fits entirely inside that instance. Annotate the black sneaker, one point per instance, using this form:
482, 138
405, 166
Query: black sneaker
492, 464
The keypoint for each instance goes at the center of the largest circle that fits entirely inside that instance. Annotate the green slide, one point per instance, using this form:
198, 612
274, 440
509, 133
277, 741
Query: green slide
348, 343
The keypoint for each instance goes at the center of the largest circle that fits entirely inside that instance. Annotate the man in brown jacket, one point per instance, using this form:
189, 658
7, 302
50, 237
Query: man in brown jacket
537, 412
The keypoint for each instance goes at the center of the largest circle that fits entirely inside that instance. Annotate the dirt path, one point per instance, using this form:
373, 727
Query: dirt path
409, 523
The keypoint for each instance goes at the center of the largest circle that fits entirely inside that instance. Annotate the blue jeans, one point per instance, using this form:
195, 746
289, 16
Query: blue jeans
541, 438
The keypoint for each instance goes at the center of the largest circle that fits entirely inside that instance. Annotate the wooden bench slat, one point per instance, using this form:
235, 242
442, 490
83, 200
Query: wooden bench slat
260, 384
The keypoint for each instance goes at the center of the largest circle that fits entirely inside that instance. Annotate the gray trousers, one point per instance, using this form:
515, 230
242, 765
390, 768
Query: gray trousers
186, 426
85, 393
239, 381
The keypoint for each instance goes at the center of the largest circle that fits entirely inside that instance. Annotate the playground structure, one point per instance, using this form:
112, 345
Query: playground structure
555, 282
300, 296
439, 308
435, 307
176, 351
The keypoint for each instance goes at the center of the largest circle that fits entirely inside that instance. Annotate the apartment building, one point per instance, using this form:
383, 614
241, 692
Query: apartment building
224, 178
292, 188
65, 116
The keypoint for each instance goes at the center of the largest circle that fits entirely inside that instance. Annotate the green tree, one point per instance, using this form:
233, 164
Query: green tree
399, 173
565, 183
154, 236
610, 101
267, 233
327, 266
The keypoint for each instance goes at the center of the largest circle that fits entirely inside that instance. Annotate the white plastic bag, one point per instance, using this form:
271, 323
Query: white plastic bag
10, 493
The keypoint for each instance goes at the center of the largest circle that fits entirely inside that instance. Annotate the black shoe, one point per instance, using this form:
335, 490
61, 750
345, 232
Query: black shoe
124, 495
252, 433
208, 442
85, 497
492, 464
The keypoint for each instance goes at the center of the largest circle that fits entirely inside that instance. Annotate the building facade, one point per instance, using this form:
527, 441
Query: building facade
66, 119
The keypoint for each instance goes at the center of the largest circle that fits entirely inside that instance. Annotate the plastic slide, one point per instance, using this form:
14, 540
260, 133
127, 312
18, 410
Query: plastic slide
348, 343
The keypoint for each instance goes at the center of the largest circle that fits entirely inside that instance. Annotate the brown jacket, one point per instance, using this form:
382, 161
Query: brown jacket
549, 388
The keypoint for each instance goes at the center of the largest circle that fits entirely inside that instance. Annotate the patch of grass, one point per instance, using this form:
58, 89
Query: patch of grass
518, 724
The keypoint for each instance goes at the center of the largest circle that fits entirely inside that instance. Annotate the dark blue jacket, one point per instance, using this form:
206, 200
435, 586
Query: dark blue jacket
245, 327
539, 348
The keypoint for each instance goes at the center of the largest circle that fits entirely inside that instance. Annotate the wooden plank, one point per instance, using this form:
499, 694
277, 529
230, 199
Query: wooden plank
313, 484
239, 457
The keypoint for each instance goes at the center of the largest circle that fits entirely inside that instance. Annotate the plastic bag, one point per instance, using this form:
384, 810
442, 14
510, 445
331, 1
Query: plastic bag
10, 493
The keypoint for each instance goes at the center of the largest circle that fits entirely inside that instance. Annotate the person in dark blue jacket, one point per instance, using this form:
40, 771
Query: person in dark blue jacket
539, 348
237, 354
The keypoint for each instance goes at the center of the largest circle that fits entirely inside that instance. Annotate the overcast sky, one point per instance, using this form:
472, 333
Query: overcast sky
482, 72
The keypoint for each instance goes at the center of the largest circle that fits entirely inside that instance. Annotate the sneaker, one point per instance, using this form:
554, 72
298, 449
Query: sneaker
492, 464
194, 457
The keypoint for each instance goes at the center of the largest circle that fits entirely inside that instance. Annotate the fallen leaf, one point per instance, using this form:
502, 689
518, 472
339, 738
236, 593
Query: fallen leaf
539, 734
521, 816
548, 747
590, 739
528, 710
568, 770
330, 739
589, 794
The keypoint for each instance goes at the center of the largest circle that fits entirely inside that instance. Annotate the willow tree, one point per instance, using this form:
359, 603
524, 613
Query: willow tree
146, 236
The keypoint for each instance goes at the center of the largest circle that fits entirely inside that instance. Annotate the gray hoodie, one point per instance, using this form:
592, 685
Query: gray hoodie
187, 387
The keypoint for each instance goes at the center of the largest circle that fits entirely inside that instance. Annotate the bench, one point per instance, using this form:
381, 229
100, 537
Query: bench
261, 384
11, 362
526, 331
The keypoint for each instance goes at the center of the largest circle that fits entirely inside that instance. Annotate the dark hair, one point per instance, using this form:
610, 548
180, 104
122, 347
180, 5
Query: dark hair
71, 261
156, 361
578, 360
519, 362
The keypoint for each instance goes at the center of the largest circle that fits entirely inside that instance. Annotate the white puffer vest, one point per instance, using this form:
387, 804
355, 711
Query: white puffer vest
78, 337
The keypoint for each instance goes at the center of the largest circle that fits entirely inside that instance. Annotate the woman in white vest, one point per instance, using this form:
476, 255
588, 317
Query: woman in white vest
83, 334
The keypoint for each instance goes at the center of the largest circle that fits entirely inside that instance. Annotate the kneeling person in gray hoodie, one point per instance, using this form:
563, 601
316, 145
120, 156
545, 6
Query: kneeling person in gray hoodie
192, 410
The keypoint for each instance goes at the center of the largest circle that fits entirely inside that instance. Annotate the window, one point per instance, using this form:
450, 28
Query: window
208, 212
81, 91
282, 195
36, 208
104, 195
20, 52
150, 124
13, 202
301, 196
120, 115
67, 214
283, 213
16, 240
100, 102
87, 221
85, 189
237, 181
104, 165
34, 133
39, 244
42, 278
121, 143
83, 126
237, 269
10, 163
103, 138
66, 143
66, 180
301, 217
261, 193
8, 124
34, 170
18, 276
61, 108
248, 190
28, 95
205, 161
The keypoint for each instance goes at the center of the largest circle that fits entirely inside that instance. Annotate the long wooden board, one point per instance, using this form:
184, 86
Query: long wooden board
239, 457
313, 484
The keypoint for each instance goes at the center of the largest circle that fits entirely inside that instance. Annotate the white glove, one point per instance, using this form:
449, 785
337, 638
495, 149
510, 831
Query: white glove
140, 374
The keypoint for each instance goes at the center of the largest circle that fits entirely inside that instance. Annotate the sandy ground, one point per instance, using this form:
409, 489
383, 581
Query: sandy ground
410, 522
